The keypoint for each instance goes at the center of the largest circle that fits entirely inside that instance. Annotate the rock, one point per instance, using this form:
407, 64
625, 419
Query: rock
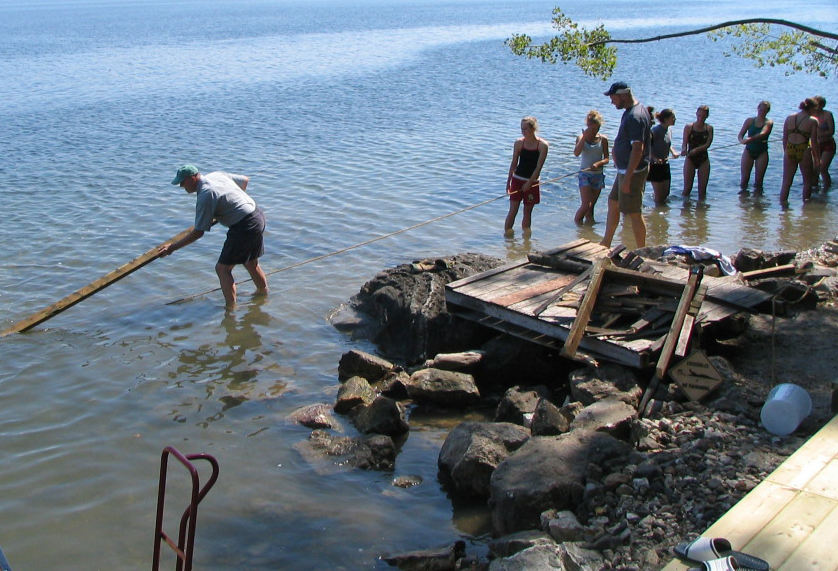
393, 384
548, 420
464, 361
609, 415
441, 559
447, 389
590, 384
408, 308
574, 557
473, 450
547, 472
356, 363
748, 259
517, 403
355, 391
562, 526
511, 544
383, 416
539, 557
407, 481
373, 452
314, 416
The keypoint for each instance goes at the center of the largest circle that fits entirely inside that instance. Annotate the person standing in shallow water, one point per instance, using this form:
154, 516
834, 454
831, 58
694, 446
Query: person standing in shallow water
660, 174
800, 143
630, 151
221, 196
826, 139
754, 135
698, 136
592, 146
528, 155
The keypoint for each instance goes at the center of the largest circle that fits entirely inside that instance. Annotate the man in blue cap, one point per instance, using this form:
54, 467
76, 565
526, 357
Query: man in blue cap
631, 157
221, 197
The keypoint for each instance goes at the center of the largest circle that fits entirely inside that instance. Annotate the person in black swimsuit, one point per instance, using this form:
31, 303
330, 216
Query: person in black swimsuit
528, 156
698, 136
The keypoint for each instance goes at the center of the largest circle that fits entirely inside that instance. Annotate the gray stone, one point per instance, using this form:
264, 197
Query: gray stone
610, 415
562, 526
548, 420
464, 361
443, 388
591, 384
513, 543
537, 558
383, 416
314, 416
547, 472
358, 363
441, 559
374, 452
355, 391
473, 450
518, 402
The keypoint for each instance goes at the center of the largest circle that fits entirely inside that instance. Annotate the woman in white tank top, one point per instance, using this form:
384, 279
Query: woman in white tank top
592, 147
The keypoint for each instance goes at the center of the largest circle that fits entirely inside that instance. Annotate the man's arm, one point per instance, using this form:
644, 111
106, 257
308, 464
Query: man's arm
168, 249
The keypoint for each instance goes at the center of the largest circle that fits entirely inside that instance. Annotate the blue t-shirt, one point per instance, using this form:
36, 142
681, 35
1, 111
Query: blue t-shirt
635, 125
661, 142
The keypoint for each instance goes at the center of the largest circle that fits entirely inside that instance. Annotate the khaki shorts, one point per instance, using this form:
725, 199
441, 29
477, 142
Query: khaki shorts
632, 202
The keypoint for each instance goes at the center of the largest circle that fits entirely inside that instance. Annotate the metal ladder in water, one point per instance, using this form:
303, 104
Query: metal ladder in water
184, 547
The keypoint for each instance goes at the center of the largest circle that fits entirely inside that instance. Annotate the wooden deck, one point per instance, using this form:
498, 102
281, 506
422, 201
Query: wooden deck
790, 519
507, 298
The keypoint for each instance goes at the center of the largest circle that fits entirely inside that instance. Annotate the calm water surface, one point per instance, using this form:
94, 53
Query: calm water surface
354, 120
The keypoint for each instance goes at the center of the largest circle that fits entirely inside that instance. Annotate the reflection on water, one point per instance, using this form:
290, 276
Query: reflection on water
693, 224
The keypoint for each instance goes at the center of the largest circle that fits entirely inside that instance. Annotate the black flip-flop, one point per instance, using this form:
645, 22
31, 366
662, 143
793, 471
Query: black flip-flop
708, 549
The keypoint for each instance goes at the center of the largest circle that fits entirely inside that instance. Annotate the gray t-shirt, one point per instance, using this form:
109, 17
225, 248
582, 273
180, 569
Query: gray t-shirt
221, 197
661, 142
635, 125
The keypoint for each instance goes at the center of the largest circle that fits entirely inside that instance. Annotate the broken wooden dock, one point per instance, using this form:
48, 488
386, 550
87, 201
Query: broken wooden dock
628, 318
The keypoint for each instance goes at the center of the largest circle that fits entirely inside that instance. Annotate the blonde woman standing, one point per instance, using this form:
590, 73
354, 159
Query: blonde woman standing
592, 147
528, 155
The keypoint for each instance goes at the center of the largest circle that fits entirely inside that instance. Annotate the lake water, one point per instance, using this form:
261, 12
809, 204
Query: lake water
353, 120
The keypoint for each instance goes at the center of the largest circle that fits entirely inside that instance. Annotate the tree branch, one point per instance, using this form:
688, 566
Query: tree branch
786, 23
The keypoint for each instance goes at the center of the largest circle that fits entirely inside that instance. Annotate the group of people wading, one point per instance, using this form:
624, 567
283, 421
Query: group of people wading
642, 152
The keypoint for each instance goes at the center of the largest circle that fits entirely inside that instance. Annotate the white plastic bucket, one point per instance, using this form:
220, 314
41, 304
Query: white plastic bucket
785, 408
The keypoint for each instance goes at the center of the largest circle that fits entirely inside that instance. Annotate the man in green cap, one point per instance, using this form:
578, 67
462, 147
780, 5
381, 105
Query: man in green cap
221, 196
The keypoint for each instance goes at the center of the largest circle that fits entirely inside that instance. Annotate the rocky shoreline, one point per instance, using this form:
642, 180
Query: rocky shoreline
573, 477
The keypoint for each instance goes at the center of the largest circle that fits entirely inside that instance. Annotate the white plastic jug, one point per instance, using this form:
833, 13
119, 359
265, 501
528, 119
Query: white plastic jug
785, 408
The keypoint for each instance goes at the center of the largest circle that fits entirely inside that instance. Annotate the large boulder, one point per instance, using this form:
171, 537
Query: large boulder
443, 388
473, 450
405, 307
547, 472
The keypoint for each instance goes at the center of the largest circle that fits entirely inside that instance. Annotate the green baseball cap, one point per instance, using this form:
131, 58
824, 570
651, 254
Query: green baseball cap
185, 172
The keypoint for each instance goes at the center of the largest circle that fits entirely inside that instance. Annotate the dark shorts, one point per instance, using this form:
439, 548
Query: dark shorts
659, 172
244, 240
532, 197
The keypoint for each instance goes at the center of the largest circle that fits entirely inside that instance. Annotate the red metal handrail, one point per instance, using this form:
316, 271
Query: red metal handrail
185, 545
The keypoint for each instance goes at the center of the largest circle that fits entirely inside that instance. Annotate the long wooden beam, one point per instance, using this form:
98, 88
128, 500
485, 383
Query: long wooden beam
90, 289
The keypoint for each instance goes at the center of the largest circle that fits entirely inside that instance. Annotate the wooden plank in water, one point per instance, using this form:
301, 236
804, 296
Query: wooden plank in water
90, 289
